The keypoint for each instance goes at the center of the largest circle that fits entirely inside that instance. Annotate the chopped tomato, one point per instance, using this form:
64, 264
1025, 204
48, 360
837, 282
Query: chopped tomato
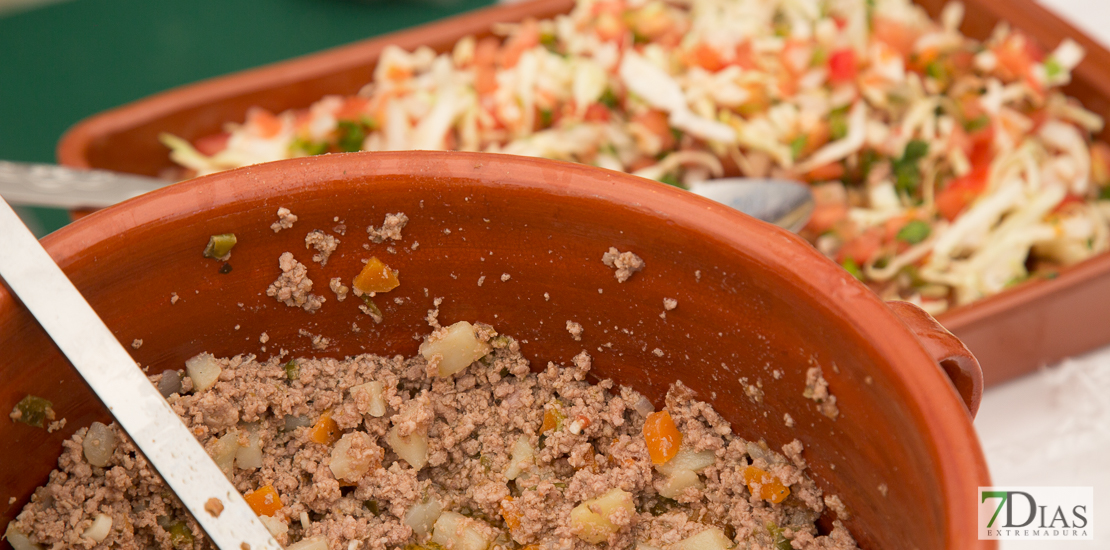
864, 247
353, 108
485, 71
830, 207
1016, 57
597, 113
842, 66
263, 123
707, 57
210, 145
1067, 202
894, 34
656, 123
609, 23
826, 172
961, 191
526, 37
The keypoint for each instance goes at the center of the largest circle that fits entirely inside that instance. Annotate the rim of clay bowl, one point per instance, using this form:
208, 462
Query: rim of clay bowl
941, 412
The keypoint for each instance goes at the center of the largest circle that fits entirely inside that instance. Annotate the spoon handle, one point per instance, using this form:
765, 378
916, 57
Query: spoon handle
111, 372
34, 184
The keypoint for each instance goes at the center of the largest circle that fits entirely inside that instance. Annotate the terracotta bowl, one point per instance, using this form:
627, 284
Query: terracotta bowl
752, 300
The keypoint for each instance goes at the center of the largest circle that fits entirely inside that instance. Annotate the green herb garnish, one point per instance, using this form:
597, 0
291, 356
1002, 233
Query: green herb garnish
907, 173
350, 136
914, 232
852, 267
292, 370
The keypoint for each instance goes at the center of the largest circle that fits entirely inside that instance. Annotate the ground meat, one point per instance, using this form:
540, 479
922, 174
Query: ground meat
575, 330
512, 451
669, 303
286, 219
293, 286
323, 243
336, 285
817, 389
624, 263
390, 229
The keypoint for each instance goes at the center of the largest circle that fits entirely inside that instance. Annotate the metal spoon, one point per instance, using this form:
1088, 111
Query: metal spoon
138, 407
787, 204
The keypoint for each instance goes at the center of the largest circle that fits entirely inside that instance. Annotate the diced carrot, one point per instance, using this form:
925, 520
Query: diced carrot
265, 501
552, 419
212, 144
511, 514
769, 487
662, 437
376, 277
325, 431
263, 123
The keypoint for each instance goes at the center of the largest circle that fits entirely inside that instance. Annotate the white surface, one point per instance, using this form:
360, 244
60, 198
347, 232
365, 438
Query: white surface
1053, 428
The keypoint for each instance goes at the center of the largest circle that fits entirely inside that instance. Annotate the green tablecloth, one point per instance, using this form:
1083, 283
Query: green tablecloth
63, 62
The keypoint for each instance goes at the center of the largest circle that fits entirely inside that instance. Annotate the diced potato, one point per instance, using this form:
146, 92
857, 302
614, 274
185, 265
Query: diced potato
522, 457
678, 481
591, 520
99, 529
250, 457
318, 542
370, 398
422, 516
224, 450
687, 460
458, 532
204, 370
18, 539
710, 539
350, 458
99, 444
276, 527
457, 348
413, 448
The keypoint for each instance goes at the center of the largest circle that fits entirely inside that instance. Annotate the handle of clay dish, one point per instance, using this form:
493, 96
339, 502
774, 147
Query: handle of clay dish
949, 352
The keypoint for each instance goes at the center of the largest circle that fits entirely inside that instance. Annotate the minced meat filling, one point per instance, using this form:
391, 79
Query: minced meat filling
375, 450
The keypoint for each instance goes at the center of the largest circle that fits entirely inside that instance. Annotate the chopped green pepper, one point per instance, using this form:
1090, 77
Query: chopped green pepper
852, 267
546, 118
372, 507
1052, 67
292, 370
372, 309
977, 123
797, 145
778, 540
671, 179
913, 232
219, 246
310, 148
907, 173
34, 411
838, 123
609, 99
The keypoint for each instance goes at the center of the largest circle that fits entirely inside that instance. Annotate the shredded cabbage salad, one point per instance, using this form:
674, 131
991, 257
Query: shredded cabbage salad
945, 169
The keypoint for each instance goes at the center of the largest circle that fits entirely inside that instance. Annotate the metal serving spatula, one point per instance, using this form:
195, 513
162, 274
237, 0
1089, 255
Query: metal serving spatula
138, 407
